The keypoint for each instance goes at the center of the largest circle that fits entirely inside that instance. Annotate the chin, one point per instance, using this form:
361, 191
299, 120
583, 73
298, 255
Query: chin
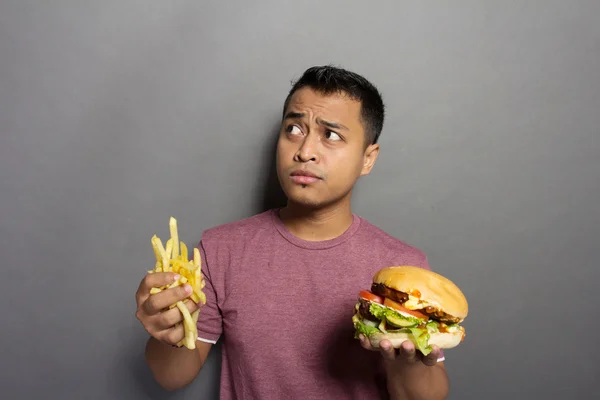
309, 199
301, 196
306, 201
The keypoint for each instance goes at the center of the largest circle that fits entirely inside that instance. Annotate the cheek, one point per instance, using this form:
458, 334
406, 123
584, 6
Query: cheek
285, 149
346, 171
280, 154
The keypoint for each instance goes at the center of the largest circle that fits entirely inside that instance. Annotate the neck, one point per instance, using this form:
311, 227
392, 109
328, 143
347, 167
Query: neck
317, 224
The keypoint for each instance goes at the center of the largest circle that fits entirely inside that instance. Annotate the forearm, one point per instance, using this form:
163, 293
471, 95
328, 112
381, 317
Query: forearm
173, 368
418, 382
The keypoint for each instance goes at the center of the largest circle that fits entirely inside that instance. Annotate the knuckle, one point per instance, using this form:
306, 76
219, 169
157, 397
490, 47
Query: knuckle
157, 321
173, 336
163, 337
147, 280
162, 320
168, 319
151, 304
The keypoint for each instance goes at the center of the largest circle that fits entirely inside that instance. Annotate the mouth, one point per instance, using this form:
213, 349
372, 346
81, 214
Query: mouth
304, 177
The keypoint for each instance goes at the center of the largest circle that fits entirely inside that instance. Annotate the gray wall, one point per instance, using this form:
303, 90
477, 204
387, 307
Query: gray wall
118, 114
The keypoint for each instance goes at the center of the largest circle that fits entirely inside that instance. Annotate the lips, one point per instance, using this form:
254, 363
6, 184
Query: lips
304, 177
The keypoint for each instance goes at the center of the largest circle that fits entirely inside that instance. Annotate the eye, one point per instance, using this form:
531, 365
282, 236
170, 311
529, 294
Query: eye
330, 135
293, 130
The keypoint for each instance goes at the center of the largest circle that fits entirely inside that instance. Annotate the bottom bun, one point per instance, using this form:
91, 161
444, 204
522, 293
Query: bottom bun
444, 340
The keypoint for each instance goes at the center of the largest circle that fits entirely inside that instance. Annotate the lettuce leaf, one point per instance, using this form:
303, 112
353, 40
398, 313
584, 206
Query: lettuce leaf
382, 313
420, 330
433, 326
421, 335
361, 327
421, 340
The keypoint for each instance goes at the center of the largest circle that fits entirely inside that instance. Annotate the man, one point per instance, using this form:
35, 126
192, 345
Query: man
281, 286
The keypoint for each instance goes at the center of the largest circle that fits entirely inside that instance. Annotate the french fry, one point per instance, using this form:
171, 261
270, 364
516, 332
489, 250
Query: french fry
173, 257
167, 256
189, 326
174, 237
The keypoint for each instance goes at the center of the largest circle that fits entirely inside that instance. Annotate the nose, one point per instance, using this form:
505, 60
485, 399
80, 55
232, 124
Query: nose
307, 150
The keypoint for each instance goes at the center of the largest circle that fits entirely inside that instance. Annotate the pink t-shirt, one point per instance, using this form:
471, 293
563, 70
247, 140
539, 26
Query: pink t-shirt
283, 308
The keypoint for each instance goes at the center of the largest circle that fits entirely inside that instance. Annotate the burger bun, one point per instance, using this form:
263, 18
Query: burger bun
435, 289
446, 340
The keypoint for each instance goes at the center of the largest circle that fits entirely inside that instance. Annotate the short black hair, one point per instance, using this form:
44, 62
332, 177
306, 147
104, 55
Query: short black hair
330, 79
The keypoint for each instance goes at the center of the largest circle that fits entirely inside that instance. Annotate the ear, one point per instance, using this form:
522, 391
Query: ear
370, 156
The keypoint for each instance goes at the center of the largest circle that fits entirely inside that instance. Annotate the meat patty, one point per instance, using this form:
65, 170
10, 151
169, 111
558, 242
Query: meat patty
401, 297
364, 310
440, 315
381, 290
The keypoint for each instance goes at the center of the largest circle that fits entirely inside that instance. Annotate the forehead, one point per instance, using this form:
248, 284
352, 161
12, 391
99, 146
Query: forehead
335, 106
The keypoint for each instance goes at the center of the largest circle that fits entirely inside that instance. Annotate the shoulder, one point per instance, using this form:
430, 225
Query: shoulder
396, 248
233, 231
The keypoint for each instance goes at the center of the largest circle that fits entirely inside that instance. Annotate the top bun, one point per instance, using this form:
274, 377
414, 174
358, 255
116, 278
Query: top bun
436, 291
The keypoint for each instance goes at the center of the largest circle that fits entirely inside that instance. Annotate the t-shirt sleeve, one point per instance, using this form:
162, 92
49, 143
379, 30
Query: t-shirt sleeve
210, 321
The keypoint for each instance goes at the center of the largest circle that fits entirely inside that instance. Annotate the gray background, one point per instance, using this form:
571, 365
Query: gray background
118, 114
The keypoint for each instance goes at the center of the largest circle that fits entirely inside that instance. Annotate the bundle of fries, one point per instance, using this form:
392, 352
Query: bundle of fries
173, 257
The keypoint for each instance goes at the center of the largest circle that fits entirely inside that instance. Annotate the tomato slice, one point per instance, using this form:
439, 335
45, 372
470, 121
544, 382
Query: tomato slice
397, 306
367, 295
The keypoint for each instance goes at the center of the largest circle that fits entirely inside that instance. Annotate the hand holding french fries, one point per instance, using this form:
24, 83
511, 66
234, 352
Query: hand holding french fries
169, 296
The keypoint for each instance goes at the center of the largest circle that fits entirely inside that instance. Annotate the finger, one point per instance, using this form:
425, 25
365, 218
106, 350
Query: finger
159, 301
191, 306
157, 279
431, 358
387, 350
153, 280
408, 352
174, 335
168, 319
365, 343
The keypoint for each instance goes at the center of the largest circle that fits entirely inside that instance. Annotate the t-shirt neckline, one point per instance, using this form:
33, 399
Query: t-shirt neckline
309, 244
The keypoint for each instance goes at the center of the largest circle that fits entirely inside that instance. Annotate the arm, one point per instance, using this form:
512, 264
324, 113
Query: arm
410, 374
418, 382
174, 368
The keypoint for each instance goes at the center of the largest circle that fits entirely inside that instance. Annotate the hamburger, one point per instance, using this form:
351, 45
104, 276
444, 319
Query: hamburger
411, 303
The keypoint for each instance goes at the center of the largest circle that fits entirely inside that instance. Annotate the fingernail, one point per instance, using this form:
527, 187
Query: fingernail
188, 288
176, 277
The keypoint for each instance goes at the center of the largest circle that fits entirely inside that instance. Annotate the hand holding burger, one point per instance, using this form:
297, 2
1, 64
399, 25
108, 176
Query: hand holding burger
411, 308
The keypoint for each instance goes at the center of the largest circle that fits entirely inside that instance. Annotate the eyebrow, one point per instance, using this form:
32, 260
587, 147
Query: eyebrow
329, 124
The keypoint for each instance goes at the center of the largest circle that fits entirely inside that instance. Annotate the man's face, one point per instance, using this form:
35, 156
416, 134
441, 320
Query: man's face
321, 149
